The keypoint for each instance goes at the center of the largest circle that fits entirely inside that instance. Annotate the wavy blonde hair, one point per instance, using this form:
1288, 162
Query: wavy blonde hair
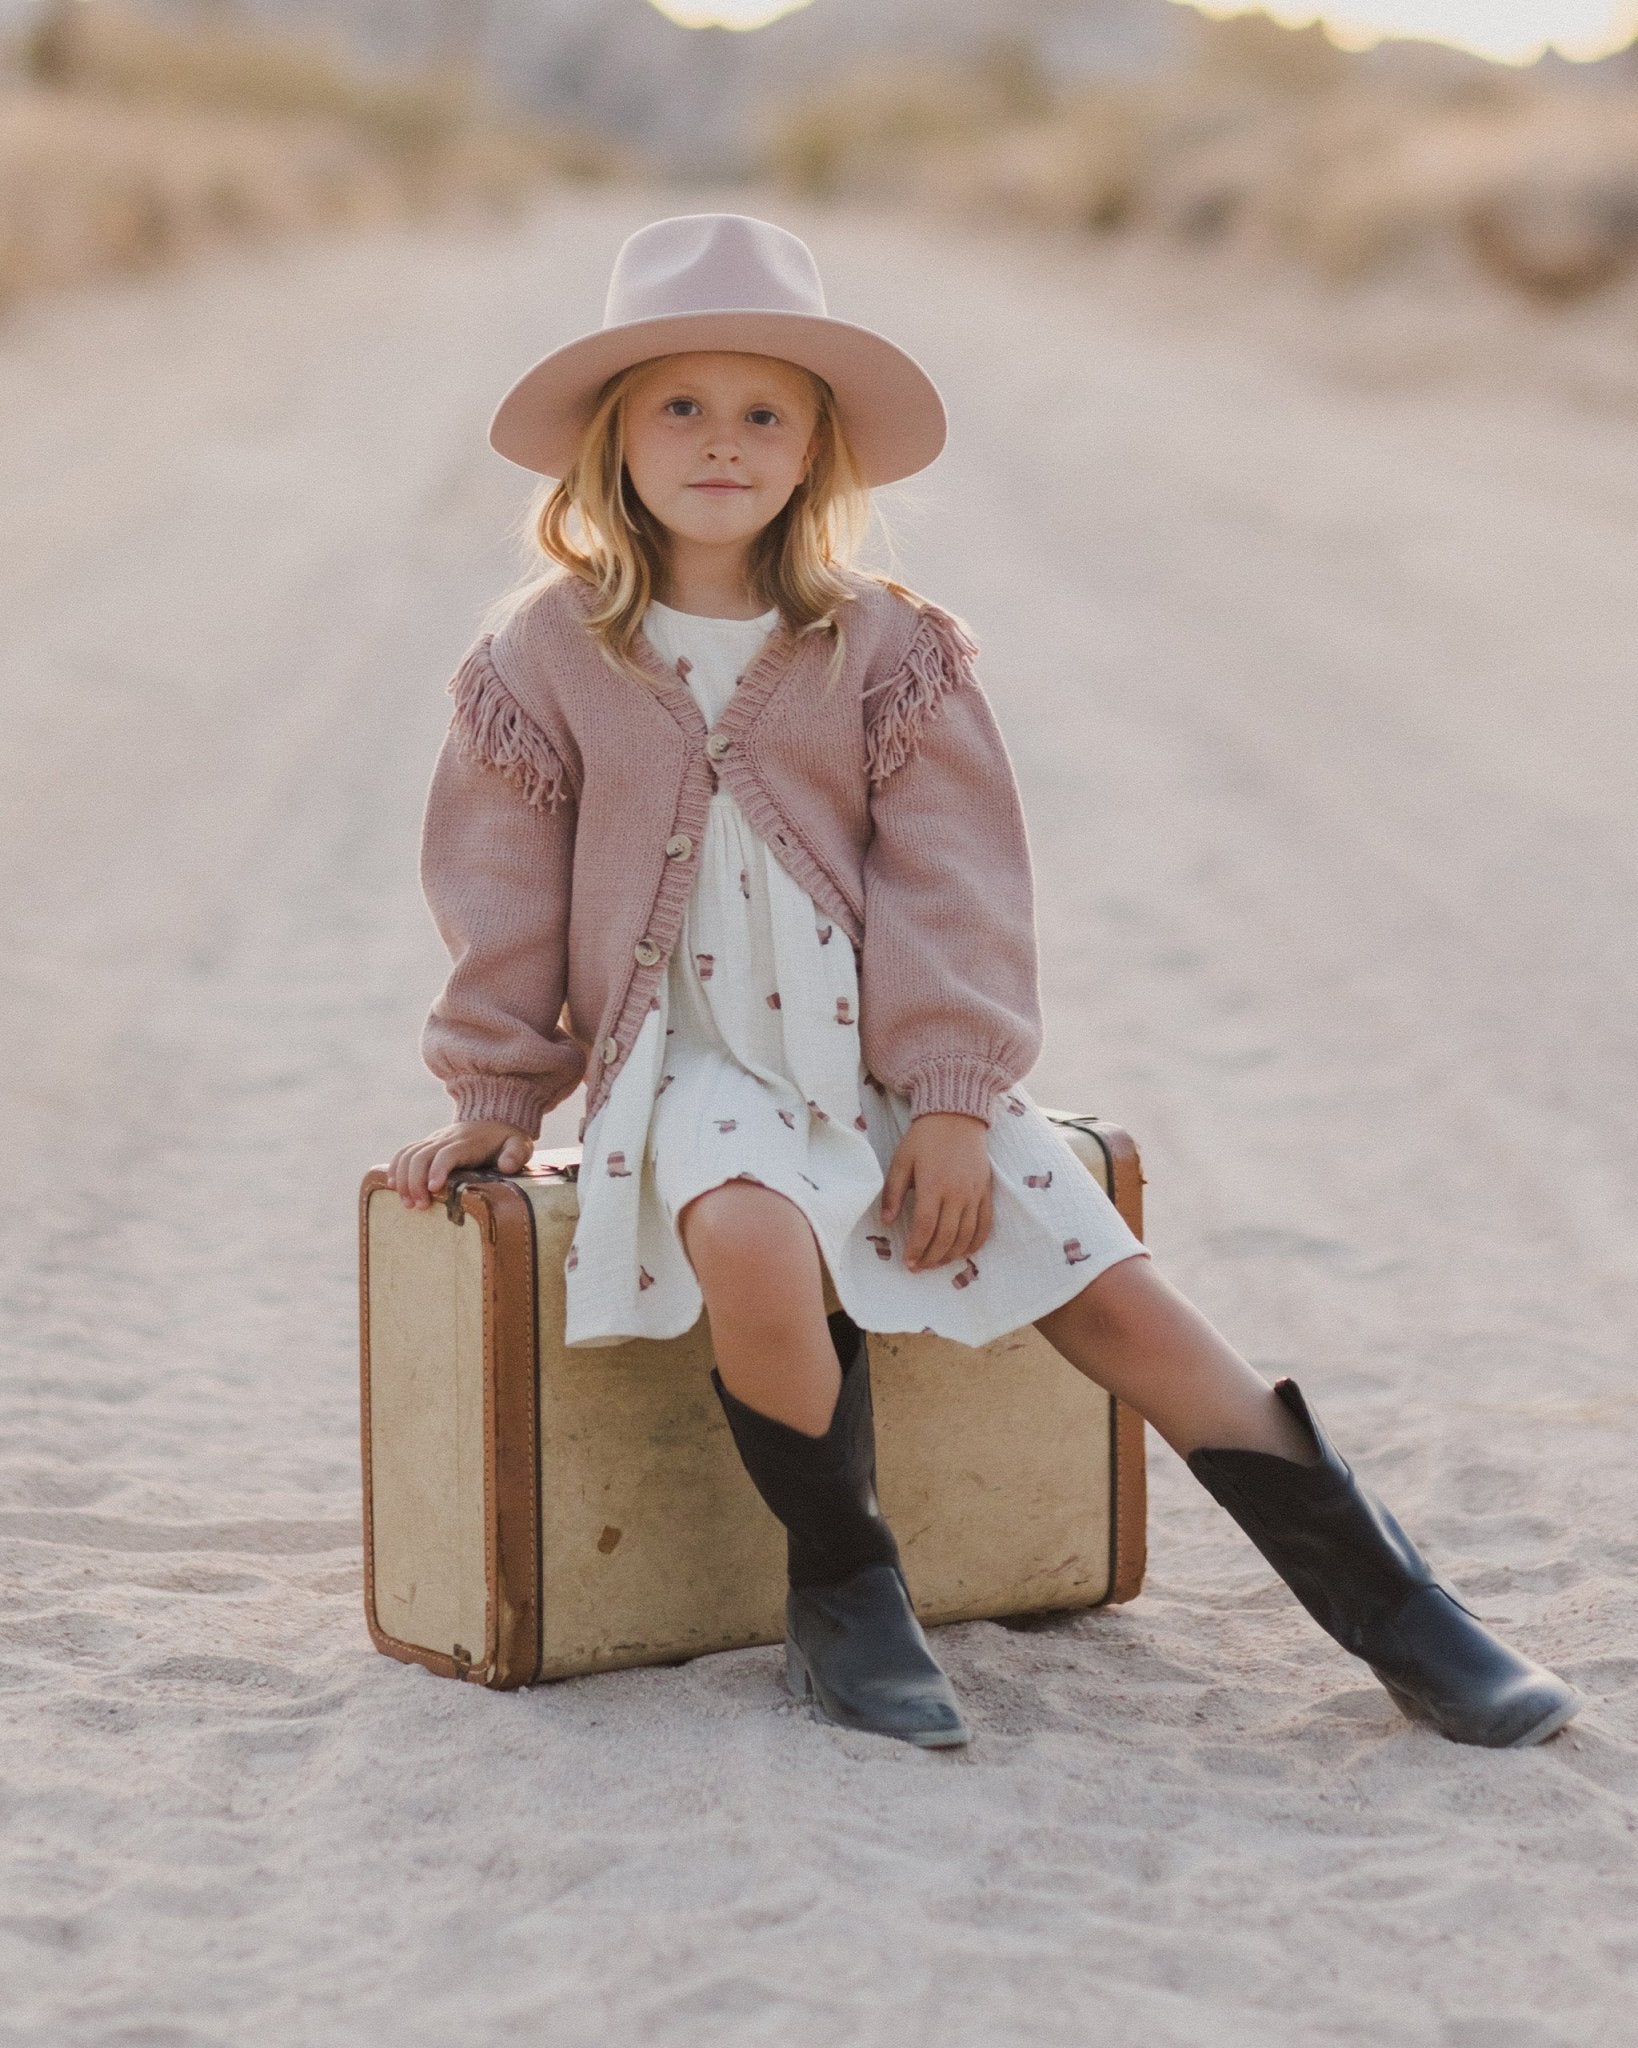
794, 561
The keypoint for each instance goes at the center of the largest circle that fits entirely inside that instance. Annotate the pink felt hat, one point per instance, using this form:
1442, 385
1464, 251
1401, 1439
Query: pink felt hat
725, 281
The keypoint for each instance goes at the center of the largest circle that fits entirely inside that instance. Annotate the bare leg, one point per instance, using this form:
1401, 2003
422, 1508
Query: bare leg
1148, 1345
758, 1265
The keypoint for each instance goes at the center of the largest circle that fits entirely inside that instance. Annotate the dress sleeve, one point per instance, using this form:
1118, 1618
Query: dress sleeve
950, 1010
497, 852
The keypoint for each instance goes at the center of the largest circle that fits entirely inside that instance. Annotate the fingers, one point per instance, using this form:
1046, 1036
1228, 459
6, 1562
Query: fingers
447, 1158
951, 1220
953, 1226
894, 1186
420, 1173
399, 1166
924, 1228
942, 1231
408, 1172
417, 1172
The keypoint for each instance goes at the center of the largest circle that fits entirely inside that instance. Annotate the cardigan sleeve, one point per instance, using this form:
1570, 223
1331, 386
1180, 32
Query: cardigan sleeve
497, 851
950, 1010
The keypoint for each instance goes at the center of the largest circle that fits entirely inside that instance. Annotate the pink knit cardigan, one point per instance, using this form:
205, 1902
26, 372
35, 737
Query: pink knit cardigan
565, 818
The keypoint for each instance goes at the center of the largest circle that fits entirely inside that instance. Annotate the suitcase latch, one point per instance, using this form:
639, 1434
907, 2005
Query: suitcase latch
464, 1178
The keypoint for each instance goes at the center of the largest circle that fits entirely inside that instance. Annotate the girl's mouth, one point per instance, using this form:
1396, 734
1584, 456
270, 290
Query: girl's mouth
719, 487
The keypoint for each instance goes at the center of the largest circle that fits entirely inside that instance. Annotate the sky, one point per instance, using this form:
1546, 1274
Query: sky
1515, 30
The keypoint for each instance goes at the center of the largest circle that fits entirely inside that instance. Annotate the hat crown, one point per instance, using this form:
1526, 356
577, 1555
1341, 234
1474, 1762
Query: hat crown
709, 263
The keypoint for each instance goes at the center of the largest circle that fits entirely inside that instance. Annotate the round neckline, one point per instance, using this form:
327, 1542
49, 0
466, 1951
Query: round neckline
764, 619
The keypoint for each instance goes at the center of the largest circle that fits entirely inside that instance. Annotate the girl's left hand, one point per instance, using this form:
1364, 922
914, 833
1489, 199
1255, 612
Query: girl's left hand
945, 1157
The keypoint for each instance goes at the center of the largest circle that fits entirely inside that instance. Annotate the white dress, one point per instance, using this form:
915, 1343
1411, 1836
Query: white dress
750, 1068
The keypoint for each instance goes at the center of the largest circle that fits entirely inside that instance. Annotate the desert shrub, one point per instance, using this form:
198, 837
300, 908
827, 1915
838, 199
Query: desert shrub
1558, 219
871, 127
1269, 138
134, 142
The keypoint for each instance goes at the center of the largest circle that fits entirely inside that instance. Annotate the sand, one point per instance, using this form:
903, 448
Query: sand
1319, 684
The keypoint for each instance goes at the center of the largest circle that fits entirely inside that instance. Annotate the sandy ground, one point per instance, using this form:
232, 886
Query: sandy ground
1320, 689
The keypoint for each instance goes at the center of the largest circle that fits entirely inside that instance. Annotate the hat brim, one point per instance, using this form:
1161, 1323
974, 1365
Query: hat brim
889, 407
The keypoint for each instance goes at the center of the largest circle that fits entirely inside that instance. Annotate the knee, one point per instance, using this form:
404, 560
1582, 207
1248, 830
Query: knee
1118, 1304
744, 1236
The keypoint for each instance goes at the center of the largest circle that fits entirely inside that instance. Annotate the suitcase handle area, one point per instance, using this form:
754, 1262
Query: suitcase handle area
562, 1163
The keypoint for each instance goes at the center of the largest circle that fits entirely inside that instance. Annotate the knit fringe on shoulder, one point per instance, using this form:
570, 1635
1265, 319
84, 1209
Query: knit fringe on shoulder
491, 726
939, 659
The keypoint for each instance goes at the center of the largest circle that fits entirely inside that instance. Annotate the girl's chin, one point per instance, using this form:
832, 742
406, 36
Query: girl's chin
727, 526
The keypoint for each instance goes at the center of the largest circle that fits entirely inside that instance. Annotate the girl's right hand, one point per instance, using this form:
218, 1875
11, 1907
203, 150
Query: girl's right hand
421, 1171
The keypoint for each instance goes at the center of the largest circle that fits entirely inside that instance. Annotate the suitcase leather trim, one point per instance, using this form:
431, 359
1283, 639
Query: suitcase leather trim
511, 1432
1128, 1464
513, 1649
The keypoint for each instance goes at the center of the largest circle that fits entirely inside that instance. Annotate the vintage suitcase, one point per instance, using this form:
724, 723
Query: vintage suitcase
532, 1511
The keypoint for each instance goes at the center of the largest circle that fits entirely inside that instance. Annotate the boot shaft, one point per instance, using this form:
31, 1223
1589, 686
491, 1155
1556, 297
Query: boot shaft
822, 1489
1330, 1538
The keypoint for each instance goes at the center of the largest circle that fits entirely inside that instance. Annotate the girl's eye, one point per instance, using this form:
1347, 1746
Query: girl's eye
759, 413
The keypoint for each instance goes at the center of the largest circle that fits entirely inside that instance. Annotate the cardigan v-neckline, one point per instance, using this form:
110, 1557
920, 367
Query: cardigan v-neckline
767, 671
768, 668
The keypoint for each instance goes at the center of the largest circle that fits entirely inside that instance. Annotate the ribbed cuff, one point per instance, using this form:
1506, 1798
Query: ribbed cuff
956, 1083
500, 1098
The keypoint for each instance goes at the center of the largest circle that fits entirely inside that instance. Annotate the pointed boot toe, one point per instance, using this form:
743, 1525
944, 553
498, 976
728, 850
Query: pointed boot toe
1443, 1667
858, 1652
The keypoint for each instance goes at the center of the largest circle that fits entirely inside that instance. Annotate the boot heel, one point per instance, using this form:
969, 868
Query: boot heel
1410, 1708
797, 1682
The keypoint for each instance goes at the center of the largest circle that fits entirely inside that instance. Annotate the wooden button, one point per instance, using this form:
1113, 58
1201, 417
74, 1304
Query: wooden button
611, 1051
646, 951
679, 848
717, 745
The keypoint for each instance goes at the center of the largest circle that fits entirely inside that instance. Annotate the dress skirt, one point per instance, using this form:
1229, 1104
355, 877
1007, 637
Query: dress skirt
749, 1067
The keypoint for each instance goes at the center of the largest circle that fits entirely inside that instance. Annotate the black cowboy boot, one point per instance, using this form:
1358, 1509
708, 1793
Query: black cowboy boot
1363, 1580
852, 1640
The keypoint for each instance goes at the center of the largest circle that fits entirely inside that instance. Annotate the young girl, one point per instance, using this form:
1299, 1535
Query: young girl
730, 824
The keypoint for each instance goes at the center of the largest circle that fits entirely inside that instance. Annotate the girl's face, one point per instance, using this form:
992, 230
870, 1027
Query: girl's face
716, 442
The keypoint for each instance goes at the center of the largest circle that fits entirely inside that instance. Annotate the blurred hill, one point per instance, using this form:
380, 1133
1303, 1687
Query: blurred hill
690, 98
1248, 137
693, 99
129, 138
1098, 115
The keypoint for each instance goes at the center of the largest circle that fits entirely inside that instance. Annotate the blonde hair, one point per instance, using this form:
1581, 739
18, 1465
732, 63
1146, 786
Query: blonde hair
794, 561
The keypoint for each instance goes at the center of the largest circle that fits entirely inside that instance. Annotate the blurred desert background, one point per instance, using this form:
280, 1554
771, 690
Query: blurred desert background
1292, 495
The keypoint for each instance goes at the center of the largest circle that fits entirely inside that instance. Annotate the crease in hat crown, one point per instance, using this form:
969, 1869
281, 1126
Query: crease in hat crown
731, 282
712, 262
